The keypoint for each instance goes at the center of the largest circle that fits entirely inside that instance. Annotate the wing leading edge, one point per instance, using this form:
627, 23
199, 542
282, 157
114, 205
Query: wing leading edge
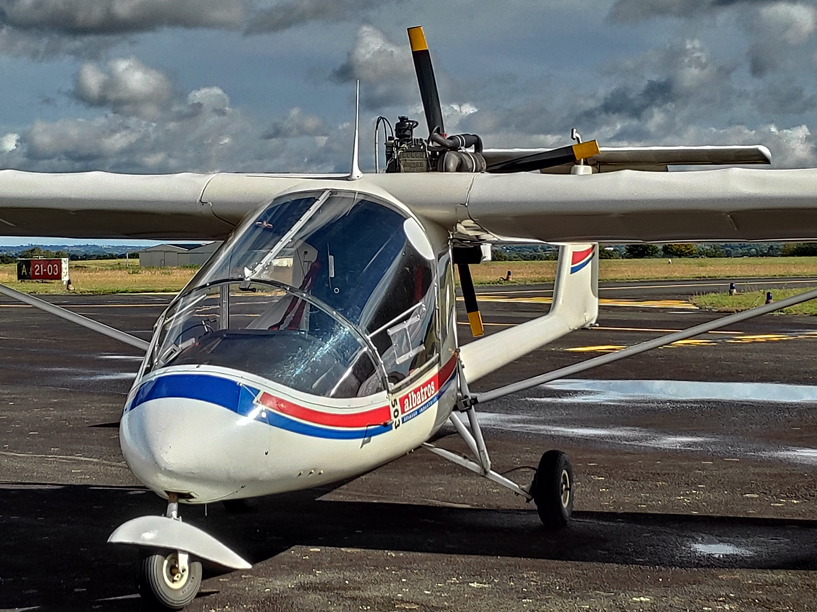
107, 205
733, 204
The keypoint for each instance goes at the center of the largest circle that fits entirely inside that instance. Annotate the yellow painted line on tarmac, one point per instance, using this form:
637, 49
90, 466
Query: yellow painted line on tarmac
748, 339
611, 348
601, 348
75, 306
693, 342
679, 285
676, 304
647, 330
763, 338
663, 331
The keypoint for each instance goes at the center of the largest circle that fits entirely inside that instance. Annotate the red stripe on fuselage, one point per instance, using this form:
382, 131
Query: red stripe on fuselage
579, 256
378, 416
422, 393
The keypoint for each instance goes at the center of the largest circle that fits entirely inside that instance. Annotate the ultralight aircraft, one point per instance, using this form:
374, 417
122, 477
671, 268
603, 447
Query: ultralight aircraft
320, 340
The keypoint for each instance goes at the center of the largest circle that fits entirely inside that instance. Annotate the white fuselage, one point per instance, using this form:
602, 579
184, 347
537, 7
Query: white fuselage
211, 433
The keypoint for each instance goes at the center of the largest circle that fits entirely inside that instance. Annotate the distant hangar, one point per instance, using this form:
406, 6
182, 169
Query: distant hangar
177, 255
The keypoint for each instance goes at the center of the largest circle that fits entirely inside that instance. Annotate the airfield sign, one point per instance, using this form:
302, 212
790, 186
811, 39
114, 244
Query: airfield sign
43, 269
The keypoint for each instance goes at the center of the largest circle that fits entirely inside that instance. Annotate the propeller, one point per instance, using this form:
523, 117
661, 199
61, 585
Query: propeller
547, 159
426, 80
436, 129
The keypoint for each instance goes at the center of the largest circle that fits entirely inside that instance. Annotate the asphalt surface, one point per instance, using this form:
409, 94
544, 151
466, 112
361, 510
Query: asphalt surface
697, 495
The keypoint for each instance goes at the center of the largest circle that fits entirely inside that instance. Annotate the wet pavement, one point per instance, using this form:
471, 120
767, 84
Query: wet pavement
691, 493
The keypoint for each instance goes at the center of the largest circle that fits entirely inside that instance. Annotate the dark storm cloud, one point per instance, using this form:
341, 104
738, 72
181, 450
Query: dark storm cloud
786, 98
285, 15
633, 104
636, 10
101, 17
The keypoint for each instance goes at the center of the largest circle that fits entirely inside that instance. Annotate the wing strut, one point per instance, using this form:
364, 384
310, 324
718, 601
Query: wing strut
636, 349
75, 318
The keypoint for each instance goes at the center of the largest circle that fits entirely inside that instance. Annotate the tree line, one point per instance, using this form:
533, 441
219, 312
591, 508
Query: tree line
670, 251
35, 252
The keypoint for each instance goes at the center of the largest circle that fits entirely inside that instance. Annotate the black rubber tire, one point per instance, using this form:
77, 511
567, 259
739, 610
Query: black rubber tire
156, 589
552, 490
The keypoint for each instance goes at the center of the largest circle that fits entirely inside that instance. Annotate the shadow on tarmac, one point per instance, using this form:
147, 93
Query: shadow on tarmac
55, 554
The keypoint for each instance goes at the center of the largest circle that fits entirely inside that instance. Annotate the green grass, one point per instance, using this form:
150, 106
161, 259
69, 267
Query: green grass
654, 269
105, 276
723, 302
113, 276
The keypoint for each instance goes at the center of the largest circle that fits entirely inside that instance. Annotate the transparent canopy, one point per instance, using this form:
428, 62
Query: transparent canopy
331, 293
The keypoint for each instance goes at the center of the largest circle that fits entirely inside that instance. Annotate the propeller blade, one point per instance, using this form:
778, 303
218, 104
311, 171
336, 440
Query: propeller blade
426, 80
470, 298
547, 159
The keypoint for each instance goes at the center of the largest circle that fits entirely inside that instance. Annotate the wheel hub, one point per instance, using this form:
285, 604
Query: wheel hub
175, 578
564, 488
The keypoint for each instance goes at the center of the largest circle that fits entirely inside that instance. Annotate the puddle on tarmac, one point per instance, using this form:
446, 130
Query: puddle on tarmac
617, 391
720, 549
647, 438
121, 357
9, 486
806, 456
634, 436
112, 376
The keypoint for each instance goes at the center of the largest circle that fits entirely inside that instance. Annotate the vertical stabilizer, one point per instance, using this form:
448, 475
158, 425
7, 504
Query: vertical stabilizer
575, 305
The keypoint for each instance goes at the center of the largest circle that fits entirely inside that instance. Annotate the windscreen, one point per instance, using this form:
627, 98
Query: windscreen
326, 291
271, 332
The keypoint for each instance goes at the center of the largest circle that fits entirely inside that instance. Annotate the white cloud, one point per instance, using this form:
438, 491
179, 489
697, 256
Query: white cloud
198, 132
9, 142
209, 98
297, 123
79, 140
385, 70
126, 86
794, 23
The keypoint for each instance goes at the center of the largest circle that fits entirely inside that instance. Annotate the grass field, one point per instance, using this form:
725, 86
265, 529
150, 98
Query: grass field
112, 276
105, 276
723, 302
653, 269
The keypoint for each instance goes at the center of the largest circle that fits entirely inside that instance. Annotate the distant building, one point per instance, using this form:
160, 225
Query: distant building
176, 255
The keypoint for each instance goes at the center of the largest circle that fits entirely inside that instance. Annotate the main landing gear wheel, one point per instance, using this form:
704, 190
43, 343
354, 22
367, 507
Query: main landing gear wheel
164, 584
552, 490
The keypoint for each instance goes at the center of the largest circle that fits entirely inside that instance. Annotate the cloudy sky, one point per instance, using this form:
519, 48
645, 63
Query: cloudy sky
154, 86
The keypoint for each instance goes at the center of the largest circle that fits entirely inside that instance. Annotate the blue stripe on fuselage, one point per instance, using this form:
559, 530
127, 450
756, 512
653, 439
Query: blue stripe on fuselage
223, 392
239, 398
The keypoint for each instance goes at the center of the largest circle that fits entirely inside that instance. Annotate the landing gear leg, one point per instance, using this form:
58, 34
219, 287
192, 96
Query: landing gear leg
472, 434
552, 490
168, 578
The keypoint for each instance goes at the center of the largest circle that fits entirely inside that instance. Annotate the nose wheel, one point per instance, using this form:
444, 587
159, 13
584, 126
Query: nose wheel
552, 490
168, 579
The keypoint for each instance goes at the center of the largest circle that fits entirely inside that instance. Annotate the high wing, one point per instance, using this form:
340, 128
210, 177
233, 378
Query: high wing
733, 204
106, 205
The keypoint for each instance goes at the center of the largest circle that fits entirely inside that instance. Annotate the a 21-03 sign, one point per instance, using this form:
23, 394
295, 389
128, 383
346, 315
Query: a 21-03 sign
42, 269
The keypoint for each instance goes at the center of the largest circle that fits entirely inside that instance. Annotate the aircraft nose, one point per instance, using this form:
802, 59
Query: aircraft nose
193, 447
